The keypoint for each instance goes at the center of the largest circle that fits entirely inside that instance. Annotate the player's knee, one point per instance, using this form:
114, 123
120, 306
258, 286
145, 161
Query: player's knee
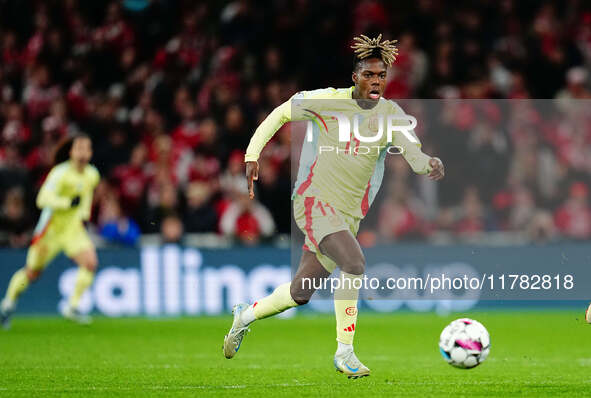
89, 262
90, 265
301, 300
354, 265
298, 295
32, 275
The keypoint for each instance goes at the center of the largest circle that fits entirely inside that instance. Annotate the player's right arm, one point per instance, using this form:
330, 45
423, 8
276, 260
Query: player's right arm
48, 196
262, 135
266, 130
280, 115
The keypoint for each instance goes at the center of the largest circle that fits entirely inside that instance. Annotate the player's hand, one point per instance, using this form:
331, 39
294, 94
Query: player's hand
437, 169
252, 174
75, 201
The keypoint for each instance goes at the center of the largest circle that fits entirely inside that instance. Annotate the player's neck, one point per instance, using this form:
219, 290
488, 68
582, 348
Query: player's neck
364, 103
79, 167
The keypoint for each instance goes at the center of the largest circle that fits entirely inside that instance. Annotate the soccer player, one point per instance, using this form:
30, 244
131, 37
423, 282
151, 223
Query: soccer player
332, 194
65, 200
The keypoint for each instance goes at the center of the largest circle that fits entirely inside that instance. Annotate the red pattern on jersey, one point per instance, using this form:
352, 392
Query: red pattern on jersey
308, 204
37, 237
308, 181
365, 201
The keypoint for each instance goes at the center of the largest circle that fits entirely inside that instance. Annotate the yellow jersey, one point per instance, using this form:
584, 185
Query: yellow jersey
63, 183
347, 173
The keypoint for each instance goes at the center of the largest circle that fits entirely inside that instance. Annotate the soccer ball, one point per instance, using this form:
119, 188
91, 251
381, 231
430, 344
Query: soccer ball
464, 343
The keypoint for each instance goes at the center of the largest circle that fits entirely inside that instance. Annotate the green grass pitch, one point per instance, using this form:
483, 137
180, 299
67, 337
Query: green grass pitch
532, 354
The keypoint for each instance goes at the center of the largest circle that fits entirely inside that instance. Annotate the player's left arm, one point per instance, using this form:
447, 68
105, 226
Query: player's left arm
410, 146
420, 162
86, 197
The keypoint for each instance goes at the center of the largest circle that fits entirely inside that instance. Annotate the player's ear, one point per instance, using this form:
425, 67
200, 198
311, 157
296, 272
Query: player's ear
354, 77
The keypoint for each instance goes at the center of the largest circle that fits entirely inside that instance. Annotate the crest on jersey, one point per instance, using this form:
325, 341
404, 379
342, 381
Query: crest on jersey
374, 124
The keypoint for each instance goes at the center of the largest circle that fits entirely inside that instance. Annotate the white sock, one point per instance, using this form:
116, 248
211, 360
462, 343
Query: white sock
342, 348
7, 304
247, 316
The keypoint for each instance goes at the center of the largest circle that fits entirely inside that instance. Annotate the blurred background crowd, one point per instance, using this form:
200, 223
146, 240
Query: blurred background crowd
171, 92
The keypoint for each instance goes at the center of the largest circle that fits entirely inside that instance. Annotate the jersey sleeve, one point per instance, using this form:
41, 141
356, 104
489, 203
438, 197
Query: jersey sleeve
48, 194
411, 151
266, 130
86, 197
291, 110
95, 177
280, 115
411, 147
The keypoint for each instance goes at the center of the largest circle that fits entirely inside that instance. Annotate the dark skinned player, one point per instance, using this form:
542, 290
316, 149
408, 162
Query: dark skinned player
336, 185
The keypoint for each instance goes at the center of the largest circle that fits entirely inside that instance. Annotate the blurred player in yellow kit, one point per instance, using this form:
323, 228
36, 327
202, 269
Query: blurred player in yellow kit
65, 200
333, 192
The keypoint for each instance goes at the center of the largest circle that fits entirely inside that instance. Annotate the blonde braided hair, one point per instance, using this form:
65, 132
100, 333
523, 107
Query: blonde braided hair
364, 47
